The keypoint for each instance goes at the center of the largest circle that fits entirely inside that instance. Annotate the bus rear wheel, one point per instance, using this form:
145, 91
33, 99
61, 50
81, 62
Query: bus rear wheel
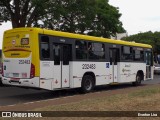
87, 84
138, 80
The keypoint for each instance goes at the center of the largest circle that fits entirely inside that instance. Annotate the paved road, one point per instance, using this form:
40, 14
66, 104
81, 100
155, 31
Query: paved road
14, 95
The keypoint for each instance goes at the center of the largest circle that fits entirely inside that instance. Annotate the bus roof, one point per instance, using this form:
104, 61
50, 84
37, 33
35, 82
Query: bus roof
79, 36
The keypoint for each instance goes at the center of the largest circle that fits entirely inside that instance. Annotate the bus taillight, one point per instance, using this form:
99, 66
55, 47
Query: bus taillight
32, 72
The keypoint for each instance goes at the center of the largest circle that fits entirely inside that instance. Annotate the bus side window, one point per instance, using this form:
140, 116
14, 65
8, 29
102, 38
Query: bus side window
45, 50
81, 49
127, 53
56, 54
96, 51
45, 53
138, 55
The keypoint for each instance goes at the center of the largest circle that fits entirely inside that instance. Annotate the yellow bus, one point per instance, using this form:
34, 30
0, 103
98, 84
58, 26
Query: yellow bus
52, 60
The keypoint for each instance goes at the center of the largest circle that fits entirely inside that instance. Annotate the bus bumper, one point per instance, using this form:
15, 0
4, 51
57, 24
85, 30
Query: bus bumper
34, 82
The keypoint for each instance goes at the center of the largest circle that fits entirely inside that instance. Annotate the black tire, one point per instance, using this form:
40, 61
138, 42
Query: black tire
87, 84
1, 84
138, 80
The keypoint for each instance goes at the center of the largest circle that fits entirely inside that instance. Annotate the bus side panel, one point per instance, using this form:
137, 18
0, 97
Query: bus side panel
46, 74
128, 71
100, 69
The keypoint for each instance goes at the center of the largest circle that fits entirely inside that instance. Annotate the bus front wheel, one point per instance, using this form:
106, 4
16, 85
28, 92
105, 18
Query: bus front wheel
87, 84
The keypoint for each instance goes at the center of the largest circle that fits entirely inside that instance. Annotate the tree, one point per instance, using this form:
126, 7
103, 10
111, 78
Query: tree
147, 38
106, 21
71, 15
95, 17
22, 12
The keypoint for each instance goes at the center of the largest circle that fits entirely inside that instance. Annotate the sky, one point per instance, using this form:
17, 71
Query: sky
5, 26
137, 16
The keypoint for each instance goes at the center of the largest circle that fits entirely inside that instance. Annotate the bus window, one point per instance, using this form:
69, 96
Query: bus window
81, 50
126, 53
56, 51
67, 56
148, 57
96, 50
45, 50
138, 55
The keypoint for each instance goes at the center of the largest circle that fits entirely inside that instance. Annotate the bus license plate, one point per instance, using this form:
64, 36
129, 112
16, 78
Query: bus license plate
15, 74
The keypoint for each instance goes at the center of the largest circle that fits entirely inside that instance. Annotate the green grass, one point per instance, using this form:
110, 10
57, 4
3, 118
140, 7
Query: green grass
145, 93
147, 99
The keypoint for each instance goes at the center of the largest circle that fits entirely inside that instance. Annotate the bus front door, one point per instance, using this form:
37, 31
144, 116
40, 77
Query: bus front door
62, 56
114, 56
148, 56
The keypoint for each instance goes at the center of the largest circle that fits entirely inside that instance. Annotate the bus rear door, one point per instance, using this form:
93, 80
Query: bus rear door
114, 56
62, 56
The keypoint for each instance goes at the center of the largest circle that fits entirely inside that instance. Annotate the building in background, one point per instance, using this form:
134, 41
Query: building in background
119, 36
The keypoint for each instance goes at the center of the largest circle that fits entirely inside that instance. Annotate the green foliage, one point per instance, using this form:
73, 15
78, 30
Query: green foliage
22, 12
93, 17
96, 17
148, 38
